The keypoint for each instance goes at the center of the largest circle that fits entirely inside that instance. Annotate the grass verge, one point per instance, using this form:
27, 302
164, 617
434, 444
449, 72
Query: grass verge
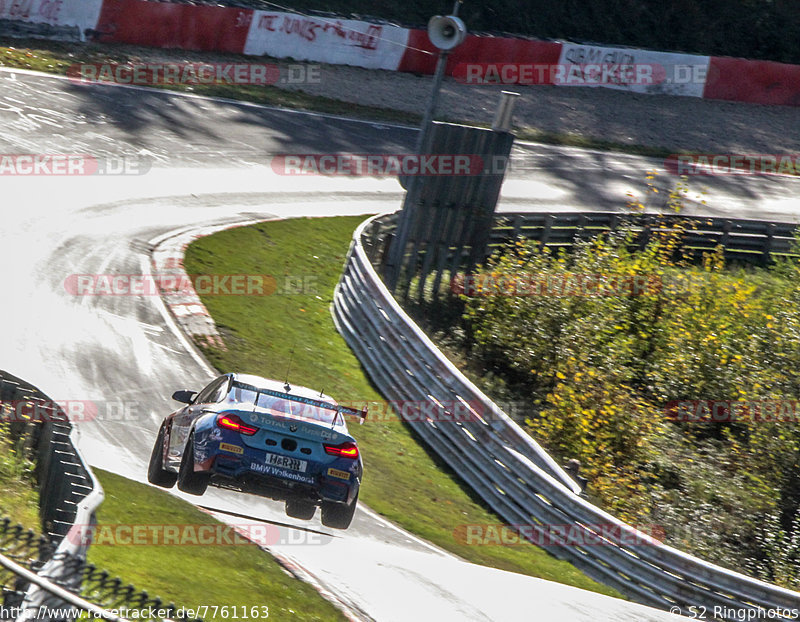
19, 498
57, 56
402, 481
192, 576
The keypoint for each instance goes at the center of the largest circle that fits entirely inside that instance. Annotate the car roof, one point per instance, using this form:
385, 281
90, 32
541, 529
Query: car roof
275, 385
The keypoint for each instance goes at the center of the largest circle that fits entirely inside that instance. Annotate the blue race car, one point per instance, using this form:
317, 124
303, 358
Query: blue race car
260, 436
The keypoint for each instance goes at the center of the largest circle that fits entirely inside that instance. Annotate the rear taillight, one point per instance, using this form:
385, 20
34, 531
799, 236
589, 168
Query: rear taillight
345, 450
234, 422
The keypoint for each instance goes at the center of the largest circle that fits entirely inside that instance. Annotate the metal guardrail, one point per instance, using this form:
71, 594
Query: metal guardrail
744, 241
69, 494
46, 577
751, 241
511, 472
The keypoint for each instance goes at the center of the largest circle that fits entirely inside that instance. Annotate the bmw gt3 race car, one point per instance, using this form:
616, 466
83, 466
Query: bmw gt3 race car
260, 436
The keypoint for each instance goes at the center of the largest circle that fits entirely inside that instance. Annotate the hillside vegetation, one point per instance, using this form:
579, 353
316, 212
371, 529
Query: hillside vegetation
679, 397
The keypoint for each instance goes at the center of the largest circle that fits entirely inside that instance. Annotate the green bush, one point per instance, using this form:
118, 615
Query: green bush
19, 499
600, 364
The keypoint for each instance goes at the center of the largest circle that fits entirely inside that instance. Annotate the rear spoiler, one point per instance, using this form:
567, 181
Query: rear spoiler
361, 414
342, 410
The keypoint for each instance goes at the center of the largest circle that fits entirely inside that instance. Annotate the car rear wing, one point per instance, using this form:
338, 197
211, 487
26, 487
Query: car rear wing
353, 412
338, 408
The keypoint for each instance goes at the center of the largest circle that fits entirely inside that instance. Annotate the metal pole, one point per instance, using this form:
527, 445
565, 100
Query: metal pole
503, 118
433, 101
394, 263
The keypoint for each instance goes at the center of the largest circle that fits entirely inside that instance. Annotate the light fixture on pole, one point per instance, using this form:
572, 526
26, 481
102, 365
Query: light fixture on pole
446, 32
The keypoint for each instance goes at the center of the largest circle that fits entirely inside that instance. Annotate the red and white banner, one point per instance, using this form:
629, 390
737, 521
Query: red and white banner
653, 73
480, 59
82, 14
335, 41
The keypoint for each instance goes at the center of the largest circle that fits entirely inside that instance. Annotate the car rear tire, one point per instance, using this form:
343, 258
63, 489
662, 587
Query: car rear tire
338, 515
190, 481
297, 508
156, 474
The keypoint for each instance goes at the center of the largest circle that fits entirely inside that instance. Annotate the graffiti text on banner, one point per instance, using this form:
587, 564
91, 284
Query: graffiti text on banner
335, 41
683, 74
80, 13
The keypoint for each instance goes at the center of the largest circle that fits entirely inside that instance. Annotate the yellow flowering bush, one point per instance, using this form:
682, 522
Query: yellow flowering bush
604, 340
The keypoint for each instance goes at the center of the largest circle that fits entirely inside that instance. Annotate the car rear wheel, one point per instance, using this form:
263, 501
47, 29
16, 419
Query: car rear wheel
189, 480
156, 474
297, 508
338, 515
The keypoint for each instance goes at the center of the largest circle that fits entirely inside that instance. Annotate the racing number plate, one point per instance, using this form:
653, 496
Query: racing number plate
287, 463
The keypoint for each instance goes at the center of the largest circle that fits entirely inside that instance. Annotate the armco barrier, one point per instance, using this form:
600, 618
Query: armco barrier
510, 472
743, 241
69, 493
42, 574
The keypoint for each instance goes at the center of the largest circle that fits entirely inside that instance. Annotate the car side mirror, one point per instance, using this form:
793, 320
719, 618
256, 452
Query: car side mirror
185, 397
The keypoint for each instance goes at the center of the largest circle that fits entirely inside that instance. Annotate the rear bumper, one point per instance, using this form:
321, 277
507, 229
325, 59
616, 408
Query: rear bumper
279, 484
233, 464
